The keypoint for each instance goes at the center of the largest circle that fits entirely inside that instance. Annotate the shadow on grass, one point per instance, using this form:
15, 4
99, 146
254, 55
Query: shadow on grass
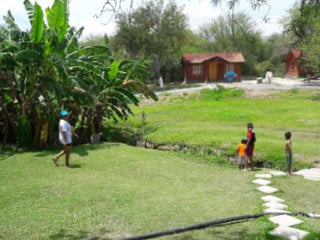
214, 234
82, 150
243, 235
75, 166
7, 152
63, 234
71, 165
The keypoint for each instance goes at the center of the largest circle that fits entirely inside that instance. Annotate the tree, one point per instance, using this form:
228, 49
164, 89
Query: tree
276, 48
234, 33
114, 6
45, 69
304, 28
310, 47
194, 43
153, 30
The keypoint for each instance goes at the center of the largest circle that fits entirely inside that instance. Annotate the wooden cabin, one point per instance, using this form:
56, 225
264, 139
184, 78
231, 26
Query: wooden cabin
211, 67
293, 68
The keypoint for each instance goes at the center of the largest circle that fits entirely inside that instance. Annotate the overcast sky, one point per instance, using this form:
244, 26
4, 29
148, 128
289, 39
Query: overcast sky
199, 12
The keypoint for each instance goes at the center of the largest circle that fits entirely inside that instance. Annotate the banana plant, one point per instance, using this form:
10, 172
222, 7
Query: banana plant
45, 69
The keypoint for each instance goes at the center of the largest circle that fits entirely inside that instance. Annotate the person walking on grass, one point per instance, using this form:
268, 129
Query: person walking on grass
288, 151
65, 138
251, 136
241, 153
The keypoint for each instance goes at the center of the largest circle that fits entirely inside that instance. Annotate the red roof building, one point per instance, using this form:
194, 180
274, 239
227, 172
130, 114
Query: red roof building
293, 67
211, 66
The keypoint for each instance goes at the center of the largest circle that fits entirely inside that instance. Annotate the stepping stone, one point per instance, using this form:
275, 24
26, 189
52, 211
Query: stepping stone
261, 182
302, 172
270, 198
285, 220
278, 173
313, 215
313, 178
263, 175
310, 174
274, 210
267, 189
275, 205
289, 233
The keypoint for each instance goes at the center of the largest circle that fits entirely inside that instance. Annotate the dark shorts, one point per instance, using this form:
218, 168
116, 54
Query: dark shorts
68, 145
289, 159
249, 150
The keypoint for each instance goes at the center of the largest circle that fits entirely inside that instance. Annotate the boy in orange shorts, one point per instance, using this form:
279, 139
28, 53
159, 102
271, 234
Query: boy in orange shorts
241, 152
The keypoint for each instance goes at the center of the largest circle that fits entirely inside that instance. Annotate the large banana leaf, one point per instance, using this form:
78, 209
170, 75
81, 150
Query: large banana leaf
29, 8
58, 17
72, 38
108, 48
95, 52
114, 69
141, 87
35, 15
9, 19
4, 57
27, 56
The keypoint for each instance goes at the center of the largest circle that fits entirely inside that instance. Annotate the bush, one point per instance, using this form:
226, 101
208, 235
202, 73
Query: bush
113, 132
262, 67
221, 92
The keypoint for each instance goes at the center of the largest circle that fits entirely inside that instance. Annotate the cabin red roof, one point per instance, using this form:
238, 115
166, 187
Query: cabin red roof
232, 57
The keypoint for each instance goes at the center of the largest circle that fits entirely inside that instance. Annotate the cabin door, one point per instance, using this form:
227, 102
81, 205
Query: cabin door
213, 71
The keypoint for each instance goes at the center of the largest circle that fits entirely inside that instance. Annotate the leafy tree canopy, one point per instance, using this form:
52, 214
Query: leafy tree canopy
303, 25
235, 33
155, 30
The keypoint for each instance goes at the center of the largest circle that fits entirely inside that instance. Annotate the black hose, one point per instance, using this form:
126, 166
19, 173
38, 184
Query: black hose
207, 224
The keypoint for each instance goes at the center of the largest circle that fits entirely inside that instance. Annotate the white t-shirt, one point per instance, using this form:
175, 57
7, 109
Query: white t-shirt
64, 126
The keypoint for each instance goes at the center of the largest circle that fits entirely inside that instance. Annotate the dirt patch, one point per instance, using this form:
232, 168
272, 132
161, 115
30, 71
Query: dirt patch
252, 88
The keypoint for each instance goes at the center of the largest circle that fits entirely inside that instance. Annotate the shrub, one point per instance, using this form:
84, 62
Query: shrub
220, 92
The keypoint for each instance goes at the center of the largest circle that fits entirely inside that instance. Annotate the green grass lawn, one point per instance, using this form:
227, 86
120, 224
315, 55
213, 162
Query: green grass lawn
216, 119
115, 190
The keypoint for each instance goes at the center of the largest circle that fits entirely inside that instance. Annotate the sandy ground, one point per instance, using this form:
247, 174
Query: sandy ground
253, 88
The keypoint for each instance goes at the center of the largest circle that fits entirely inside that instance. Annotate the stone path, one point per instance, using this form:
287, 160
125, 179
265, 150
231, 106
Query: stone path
310, 174
285, 223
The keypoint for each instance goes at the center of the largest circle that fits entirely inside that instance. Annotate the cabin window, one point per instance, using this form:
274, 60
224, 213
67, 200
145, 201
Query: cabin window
230, 68
197, 69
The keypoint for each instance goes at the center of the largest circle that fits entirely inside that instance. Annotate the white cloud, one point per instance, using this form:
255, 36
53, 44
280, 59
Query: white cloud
271, 26
200, 13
